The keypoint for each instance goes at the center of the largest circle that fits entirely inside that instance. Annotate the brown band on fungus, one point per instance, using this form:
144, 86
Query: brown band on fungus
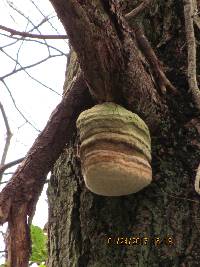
134, 144
106, 145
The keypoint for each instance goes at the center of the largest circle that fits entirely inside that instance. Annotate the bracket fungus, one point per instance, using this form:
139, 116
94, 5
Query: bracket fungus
115, 150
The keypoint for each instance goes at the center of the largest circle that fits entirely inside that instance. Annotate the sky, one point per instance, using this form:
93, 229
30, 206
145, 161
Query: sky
34, 101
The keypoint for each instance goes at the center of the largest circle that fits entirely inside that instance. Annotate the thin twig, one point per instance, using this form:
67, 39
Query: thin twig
38, 9
28, 66
4, 182
32, 35
45, 19
178, 197
29, 20
8, 136
15, 105
30, 40
24, 69
136, 11
160, 78
9, 165
21, 44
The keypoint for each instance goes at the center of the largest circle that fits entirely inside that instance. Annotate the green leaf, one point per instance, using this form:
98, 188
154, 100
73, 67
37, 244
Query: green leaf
39, 245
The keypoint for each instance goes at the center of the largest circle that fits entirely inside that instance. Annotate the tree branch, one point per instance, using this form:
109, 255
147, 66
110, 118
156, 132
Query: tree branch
196, 14
8, 137
197, 181
32, 35
30, 40
6, 166
160, 78
20, 195
109, 56
16, 107
39, 10
28, 66
191, 43
189, 13
136, 11
25, 70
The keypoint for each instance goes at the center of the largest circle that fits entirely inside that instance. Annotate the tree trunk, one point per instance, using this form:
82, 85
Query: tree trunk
158, 226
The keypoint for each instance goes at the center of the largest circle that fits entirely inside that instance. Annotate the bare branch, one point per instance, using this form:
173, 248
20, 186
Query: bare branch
35, 27
8, 137
24, 69
20, 195
27, 17
189, 13
32, 35
191, 43
4, 182
45, 19
160, 78
6, 122
28, 66
197, 21
136, 11
196, 14
197, 181
52, 26
31, 40
17, 53
15, 105
49, 143
6, 166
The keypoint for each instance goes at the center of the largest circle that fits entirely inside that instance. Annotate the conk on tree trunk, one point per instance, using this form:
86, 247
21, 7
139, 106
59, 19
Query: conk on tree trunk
115, 150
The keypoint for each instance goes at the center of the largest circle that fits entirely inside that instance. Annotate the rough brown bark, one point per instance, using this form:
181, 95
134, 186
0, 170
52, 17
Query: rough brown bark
108, 55
18, 240
81, 223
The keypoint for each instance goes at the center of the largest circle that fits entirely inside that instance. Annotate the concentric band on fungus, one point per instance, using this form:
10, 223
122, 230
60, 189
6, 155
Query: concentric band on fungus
134, 143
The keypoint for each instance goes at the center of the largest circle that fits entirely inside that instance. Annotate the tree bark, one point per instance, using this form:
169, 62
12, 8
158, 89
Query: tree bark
108, 56
158, 226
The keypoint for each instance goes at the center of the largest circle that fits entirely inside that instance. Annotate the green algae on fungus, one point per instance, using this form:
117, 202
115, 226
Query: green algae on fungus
115, 150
